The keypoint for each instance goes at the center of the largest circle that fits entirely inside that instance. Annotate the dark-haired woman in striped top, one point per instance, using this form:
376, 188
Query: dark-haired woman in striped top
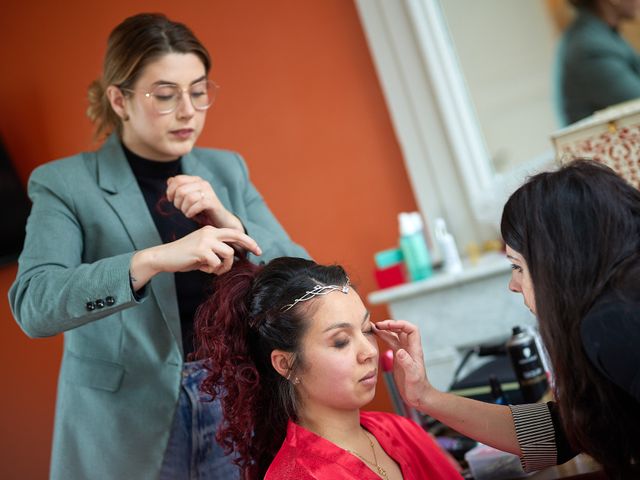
573, 237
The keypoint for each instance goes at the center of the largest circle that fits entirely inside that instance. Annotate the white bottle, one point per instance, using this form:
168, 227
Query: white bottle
448, 249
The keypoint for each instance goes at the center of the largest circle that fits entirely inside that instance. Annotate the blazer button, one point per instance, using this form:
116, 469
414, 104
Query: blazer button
110, 301
91, 306
100, 303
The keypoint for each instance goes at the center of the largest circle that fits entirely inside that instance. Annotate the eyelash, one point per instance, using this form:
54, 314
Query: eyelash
517, 268
341, 343
344, 343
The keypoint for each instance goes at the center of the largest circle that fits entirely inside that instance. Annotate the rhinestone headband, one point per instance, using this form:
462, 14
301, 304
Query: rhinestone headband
316, 291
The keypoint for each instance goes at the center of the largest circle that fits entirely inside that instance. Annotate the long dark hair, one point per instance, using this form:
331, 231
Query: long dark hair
578, 229
236, 331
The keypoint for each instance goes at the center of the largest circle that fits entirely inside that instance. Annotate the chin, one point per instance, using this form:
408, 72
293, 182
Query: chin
369, 398
360, 400
180, 149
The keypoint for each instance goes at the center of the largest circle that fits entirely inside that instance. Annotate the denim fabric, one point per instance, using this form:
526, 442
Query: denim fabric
192, 452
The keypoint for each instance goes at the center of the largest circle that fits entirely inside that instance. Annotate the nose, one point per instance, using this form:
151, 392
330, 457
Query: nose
514, 286
185, 107
368, 349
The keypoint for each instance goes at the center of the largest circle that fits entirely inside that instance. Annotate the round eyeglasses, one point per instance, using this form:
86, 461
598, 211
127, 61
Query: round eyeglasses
166, 98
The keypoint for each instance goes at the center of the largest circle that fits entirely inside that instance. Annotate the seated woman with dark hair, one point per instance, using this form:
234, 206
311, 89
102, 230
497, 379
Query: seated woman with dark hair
292, 356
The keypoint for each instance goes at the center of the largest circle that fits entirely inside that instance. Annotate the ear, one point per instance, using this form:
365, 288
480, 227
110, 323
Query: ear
117, 101
282, 362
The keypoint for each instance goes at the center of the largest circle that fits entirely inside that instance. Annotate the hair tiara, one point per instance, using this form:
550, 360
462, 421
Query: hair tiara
317, 291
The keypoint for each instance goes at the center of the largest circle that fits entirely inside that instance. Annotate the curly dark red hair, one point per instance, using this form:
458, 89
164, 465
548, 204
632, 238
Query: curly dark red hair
236, 329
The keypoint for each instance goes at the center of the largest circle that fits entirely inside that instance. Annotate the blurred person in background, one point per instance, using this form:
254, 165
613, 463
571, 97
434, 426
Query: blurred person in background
596, 67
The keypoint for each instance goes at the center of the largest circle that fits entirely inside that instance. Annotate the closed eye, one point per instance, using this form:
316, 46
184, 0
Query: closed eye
165, 98
341, 343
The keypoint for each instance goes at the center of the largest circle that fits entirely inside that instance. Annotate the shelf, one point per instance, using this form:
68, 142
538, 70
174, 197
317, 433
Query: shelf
488, 265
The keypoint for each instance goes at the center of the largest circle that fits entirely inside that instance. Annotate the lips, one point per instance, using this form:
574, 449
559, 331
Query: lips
183, 132
372, 374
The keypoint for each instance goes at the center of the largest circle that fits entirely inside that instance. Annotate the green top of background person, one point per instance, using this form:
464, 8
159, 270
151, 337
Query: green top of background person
596, 67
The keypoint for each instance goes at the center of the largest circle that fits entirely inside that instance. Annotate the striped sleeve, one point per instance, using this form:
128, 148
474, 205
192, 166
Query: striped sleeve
536, 435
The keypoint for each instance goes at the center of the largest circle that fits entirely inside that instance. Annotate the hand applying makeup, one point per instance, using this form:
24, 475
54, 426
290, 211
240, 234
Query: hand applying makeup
196, 199
408, 367
488, 423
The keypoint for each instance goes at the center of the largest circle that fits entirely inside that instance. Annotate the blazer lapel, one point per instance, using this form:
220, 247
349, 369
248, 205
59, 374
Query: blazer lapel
124, 196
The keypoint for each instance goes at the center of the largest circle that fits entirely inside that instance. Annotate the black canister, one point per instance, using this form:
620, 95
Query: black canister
527, 365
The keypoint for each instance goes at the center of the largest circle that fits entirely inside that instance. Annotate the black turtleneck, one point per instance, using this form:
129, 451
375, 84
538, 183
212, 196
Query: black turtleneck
191, 287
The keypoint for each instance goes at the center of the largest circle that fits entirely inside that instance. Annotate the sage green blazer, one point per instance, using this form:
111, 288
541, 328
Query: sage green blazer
121, 367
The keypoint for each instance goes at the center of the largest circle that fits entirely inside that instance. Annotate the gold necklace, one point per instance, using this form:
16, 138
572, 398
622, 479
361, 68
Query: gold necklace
381, 471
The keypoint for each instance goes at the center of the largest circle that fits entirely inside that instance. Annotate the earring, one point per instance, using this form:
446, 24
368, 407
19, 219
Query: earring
296, 381
125, 118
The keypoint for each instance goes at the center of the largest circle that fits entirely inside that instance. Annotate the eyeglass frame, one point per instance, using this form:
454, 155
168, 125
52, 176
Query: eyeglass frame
213, 84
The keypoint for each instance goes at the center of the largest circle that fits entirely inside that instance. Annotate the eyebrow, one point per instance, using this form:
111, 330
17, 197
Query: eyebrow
346, 324
166, 82
513, 258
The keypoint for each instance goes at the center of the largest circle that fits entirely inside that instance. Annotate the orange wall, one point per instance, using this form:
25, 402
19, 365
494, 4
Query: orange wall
299, 99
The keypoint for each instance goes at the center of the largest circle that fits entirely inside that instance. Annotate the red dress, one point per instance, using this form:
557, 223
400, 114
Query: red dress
307, 456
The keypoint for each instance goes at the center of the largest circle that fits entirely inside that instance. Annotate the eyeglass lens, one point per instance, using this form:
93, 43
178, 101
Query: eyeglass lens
167, 97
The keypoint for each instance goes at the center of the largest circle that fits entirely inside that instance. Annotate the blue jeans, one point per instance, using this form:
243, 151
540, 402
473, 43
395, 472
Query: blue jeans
192, 452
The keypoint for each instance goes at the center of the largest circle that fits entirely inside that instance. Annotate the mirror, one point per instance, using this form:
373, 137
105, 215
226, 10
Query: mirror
511, 89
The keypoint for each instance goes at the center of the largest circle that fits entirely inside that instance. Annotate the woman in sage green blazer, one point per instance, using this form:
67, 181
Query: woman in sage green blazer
120, 246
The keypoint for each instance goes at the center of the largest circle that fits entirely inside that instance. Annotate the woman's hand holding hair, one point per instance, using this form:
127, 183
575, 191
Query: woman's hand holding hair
194, 196
208, 249
408, 366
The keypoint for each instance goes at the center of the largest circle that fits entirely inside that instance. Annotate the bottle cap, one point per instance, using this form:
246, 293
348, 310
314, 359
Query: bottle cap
387, 258
439, 228
408, 223
418, 224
